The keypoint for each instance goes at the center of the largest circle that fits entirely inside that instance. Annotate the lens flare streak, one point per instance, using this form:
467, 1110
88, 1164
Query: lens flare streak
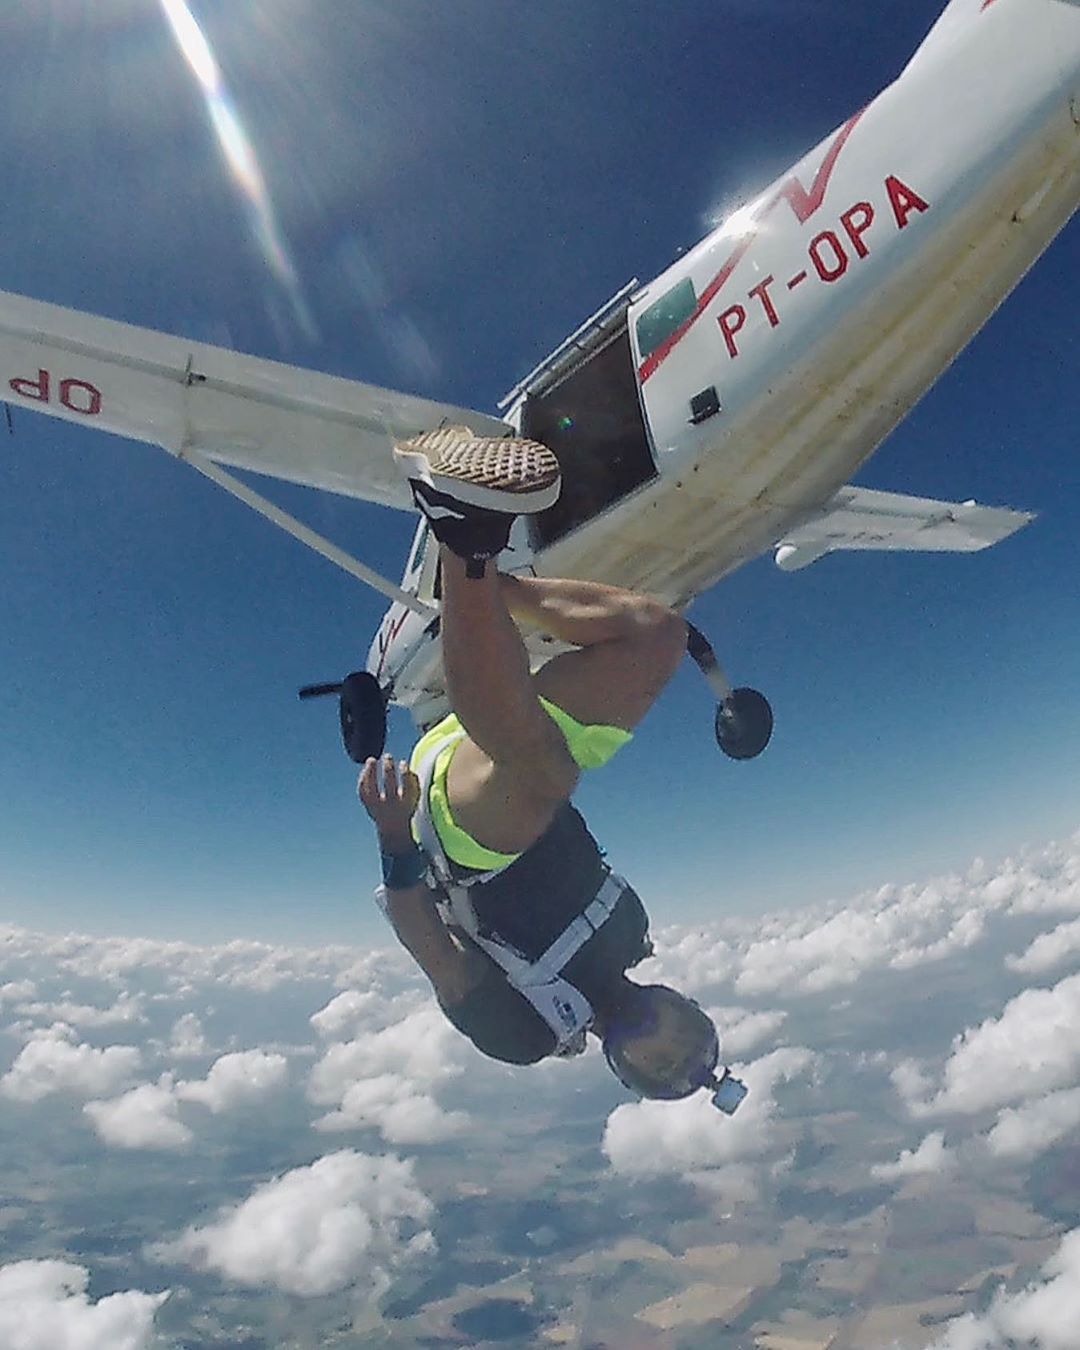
239, 155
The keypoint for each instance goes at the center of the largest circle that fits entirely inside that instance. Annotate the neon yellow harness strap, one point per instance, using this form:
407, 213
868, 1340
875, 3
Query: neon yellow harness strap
590, 746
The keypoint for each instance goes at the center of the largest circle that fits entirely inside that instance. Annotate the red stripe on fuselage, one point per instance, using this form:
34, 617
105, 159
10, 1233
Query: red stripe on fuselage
802, 202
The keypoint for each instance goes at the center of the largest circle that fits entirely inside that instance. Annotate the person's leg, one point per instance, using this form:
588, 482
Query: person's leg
514, 769
509, 777
629, 646
488, 680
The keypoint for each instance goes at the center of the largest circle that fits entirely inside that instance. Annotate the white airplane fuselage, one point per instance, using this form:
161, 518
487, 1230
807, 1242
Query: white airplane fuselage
806, 326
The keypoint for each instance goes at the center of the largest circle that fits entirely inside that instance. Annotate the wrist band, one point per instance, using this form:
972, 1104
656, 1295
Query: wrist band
400, 871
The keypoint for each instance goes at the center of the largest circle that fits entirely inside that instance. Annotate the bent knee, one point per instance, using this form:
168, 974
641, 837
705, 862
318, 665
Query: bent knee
661, 632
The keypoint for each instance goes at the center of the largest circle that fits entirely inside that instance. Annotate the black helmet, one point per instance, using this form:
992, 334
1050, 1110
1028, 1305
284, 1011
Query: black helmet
644, 1010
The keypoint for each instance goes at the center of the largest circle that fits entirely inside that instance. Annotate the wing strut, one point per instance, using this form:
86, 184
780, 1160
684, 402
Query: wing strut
305, 533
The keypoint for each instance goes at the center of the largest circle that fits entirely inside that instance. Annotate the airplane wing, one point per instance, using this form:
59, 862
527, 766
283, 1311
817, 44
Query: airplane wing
189, 397
859, 518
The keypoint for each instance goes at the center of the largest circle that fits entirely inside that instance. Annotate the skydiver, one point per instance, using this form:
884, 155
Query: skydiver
492, 881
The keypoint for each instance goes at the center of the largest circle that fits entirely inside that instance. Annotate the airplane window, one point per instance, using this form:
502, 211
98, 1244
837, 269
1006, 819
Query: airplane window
664, 317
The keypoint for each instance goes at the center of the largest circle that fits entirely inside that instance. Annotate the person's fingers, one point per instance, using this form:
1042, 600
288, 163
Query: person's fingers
390, 782
368, 784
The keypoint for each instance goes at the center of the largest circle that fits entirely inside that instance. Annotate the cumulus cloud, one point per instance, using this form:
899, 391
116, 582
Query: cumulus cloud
384, 1059
1048, 950
186, 1040
242, 965
144, 1118
16, 990
394, 1106
651, 1138
742, 1030
236, 1080
52, 1062
1045, 881
1033, 1046
912, 1082
44, 1305
1045, 1314
694, 959
348, 1220
127, 1009
930, 1156
344, 1012
1025, 1131
422, 1047
147, 1117
383, 1079
896, 928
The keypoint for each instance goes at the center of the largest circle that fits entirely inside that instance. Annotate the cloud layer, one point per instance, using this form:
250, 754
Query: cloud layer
916, 1044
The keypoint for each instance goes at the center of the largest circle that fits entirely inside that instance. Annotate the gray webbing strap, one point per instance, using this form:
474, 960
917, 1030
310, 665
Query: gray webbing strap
563, 1007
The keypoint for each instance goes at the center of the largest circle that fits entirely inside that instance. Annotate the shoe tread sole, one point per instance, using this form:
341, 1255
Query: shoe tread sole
500, 473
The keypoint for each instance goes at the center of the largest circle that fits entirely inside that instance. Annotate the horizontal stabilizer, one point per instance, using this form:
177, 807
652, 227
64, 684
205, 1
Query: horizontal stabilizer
859, 518
297, 425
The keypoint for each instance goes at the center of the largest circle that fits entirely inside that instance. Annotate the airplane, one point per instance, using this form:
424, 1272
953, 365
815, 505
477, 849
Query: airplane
701, 420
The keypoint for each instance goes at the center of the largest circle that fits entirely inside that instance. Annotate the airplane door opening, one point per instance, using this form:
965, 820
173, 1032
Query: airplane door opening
591, 418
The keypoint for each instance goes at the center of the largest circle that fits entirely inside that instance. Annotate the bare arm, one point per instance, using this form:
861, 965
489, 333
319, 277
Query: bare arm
453, 971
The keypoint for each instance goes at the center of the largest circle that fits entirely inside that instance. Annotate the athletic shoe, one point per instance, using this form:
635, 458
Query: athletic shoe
469, 531
507, 474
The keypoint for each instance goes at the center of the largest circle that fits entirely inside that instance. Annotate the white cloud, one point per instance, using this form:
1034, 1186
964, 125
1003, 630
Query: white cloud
44, 1306
187, 1041
1032, 1047
695, 960
344, 1011
254, 966
347, 1220
50, 1062
384, 1060
1044, 881
16, 990
654, 1138
382, 1079
742, 1030
235, 1080
912, 1081
144, 1118
127, 1009
403, 1113
1025, 1131
896, 927
147, 1116
1045, 1314
423, 1047
930, 1156
1048, 950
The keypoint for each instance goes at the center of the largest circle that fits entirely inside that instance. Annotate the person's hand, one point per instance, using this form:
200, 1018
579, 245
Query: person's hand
391, 803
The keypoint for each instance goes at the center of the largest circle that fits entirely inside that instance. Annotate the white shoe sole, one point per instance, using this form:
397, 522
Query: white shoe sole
507, 474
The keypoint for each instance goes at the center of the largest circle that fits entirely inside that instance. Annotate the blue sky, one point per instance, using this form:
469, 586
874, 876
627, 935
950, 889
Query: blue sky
455, 187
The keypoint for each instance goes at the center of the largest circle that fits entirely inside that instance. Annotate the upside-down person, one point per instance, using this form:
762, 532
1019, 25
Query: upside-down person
491, 879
